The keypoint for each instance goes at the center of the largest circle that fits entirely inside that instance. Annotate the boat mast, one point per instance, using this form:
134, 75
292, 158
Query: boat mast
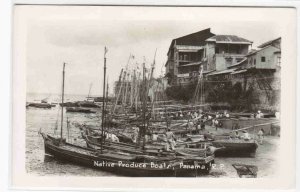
145, 94
106, 98
118, 92
103, 101
89, 94
62, 102
126, 89
106, 104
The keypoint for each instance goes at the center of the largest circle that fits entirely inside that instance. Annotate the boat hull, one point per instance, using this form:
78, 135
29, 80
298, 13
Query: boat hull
79, 110
192, 157
235, 149
93, 158
40, 105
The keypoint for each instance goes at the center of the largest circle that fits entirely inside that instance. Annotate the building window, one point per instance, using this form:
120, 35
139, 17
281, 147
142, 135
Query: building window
254, 61
217, 49
228, 60
263, 59
185, 57
278, 61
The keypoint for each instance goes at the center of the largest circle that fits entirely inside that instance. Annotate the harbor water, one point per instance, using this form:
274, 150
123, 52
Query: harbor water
48, 120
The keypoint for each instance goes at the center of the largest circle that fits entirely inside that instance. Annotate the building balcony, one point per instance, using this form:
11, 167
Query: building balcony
187, 60
183, 75
231, 58
235, 55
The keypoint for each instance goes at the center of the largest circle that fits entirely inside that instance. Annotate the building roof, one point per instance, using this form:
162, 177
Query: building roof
190, 48
191, 64
193, 39
222, 72
210, 71
256, 51
269, 42
238, 63
229, 39
228, 71
240, 71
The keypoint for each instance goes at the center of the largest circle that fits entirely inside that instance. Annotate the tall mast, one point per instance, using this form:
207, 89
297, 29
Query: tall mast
126, 89
62, 102
106, 102
145, 94
89, 94
103, 101
119, 84
106, 97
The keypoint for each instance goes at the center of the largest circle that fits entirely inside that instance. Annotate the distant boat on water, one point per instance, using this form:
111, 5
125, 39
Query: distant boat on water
79, 110
40, 105
86, 104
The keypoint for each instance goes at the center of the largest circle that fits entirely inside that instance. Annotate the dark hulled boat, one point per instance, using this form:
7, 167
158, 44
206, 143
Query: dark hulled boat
235, 148
79, 110
40, 105
201, 156
86, 104
118, 163
69, 104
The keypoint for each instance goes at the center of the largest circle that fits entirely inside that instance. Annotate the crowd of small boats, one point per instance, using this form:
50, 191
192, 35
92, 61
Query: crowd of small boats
133, 138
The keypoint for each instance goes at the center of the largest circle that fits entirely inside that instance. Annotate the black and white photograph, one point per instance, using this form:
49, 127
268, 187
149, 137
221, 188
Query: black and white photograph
141, 91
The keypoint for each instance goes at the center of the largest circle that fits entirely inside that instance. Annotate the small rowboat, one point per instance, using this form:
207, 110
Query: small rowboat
246, 170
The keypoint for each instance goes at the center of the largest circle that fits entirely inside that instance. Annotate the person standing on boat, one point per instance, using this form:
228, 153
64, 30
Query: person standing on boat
170, 140
168, 121
227, 115
195, 114
180, 115
216, 124
135, 134
260, 135
259, 114
202, 125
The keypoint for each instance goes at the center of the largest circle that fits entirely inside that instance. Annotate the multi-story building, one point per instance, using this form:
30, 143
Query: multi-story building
214, 52
223, 51
226, 59
185, 56
260, 71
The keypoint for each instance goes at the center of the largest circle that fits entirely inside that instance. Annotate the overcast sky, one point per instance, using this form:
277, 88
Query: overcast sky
77, 36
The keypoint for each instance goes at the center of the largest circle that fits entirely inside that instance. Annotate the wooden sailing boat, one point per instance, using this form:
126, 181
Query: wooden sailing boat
204, 159
110, 160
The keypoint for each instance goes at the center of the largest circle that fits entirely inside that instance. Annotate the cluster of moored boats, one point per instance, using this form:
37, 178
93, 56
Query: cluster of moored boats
134, 143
